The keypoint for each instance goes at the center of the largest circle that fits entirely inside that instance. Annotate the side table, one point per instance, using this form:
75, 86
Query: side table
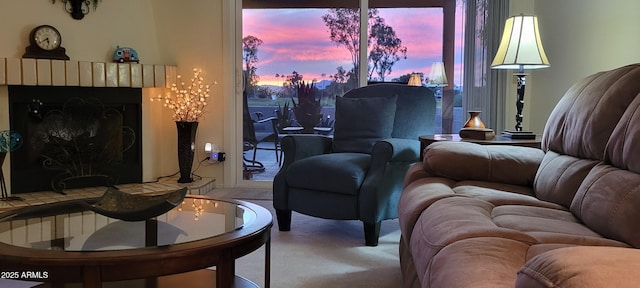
498, 140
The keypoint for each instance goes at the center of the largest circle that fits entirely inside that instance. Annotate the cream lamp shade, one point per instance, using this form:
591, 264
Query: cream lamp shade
520, 47
437, 75
414, 80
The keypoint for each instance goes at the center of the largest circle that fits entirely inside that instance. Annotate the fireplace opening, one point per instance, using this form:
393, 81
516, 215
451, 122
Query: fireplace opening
75, 137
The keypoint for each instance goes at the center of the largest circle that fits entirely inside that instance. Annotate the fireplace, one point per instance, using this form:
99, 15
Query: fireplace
75, 137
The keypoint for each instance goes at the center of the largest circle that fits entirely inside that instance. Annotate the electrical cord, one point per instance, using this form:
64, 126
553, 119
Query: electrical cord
174, 174
199, 164
161, 177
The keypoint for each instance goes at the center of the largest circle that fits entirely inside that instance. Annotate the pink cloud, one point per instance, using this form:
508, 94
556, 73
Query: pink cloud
299, 40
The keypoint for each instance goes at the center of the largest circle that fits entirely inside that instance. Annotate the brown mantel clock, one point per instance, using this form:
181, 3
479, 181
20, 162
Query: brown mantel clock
45, 43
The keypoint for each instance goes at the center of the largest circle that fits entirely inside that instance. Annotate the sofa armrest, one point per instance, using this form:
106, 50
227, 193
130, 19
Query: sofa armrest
495, 163
584, 266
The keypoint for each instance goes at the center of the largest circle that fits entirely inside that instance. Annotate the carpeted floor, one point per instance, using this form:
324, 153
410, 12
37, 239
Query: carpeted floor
319, 252
326, 253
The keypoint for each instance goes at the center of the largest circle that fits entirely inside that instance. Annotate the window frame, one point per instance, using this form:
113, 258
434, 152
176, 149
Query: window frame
448, 54
448, 34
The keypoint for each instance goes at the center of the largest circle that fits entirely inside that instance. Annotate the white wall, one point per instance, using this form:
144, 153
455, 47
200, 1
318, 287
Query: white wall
191, 33
183, 33
581, 37
115, 22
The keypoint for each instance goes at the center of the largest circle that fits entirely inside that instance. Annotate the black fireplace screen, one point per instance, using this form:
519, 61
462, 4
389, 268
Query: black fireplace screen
75, 137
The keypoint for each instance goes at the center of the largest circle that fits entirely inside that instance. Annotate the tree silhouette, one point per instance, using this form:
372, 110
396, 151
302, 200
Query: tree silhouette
344, 29
386, 47
341, 82
289, 85
250, 57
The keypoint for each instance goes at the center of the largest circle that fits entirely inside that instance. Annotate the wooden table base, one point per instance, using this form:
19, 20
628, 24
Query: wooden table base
204, 278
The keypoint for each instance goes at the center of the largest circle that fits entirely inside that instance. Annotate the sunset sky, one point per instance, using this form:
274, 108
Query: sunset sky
299, 40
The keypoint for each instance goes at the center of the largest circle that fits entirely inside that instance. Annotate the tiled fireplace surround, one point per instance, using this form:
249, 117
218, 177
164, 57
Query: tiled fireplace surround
44, 72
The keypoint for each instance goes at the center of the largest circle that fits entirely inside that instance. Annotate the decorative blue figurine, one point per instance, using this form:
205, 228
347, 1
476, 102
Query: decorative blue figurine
125, 54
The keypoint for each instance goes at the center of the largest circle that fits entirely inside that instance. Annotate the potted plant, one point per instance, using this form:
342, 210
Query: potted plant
308, 108
284, 116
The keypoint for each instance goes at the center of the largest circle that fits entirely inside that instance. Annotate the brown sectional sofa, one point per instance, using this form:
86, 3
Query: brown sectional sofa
567, 215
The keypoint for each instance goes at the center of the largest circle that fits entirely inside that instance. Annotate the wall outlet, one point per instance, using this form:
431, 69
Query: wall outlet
218, 157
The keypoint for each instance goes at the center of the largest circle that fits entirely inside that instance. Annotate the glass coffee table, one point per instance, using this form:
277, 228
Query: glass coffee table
64, 243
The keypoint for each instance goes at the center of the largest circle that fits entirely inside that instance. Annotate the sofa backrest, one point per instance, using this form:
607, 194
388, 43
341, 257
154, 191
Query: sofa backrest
592, 164
584, 119
609, 198
580, 128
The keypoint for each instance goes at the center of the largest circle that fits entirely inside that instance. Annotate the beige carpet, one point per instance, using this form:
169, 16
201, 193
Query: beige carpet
326, 253
319, 252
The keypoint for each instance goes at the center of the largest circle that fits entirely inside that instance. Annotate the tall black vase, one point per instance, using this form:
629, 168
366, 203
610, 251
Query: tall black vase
186, 146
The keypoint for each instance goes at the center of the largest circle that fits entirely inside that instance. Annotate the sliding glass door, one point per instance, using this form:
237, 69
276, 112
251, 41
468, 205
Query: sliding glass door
286, 44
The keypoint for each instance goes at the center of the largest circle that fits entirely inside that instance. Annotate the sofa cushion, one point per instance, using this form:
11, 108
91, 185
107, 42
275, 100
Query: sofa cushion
560, 176
361, 122
608, 201
482, 162
582, 267
483, 262
345, 170
456, 218
622, 149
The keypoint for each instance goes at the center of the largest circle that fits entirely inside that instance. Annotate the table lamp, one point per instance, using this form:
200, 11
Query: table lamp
414, 80
520, 49
437, 75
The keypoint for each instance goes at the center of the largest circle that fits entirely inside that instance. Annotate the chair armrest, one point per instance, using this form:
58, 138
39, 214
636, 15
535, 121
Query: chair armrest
395, 149
266, 120
296, 147
390, 159
584, 266
495, 163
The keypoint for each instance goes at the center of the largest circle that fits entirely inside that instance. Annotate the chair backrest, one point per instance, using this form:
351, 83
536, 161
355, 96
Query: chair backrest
415, 107
248, 130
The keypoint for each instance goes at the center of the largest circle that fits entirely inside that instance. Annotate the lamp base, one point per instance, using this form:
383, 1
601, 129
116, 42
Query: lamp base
477, 133
526, 135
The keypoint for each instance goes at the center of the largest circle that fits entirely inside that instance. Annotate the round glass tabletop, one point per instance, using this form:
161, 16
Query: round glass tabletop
70, 226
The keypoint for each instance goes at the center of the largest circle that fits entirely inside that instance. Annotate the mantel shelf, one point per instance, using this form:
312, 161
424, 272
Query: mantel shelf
45, 72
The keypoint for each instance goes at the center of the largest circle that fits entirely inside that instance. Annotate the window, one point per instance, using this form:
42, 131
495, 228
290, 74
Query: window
318, 41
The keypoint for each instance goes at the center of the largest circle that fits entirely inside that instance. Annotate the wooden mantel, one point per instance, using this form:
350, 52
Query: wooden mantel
45, 72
